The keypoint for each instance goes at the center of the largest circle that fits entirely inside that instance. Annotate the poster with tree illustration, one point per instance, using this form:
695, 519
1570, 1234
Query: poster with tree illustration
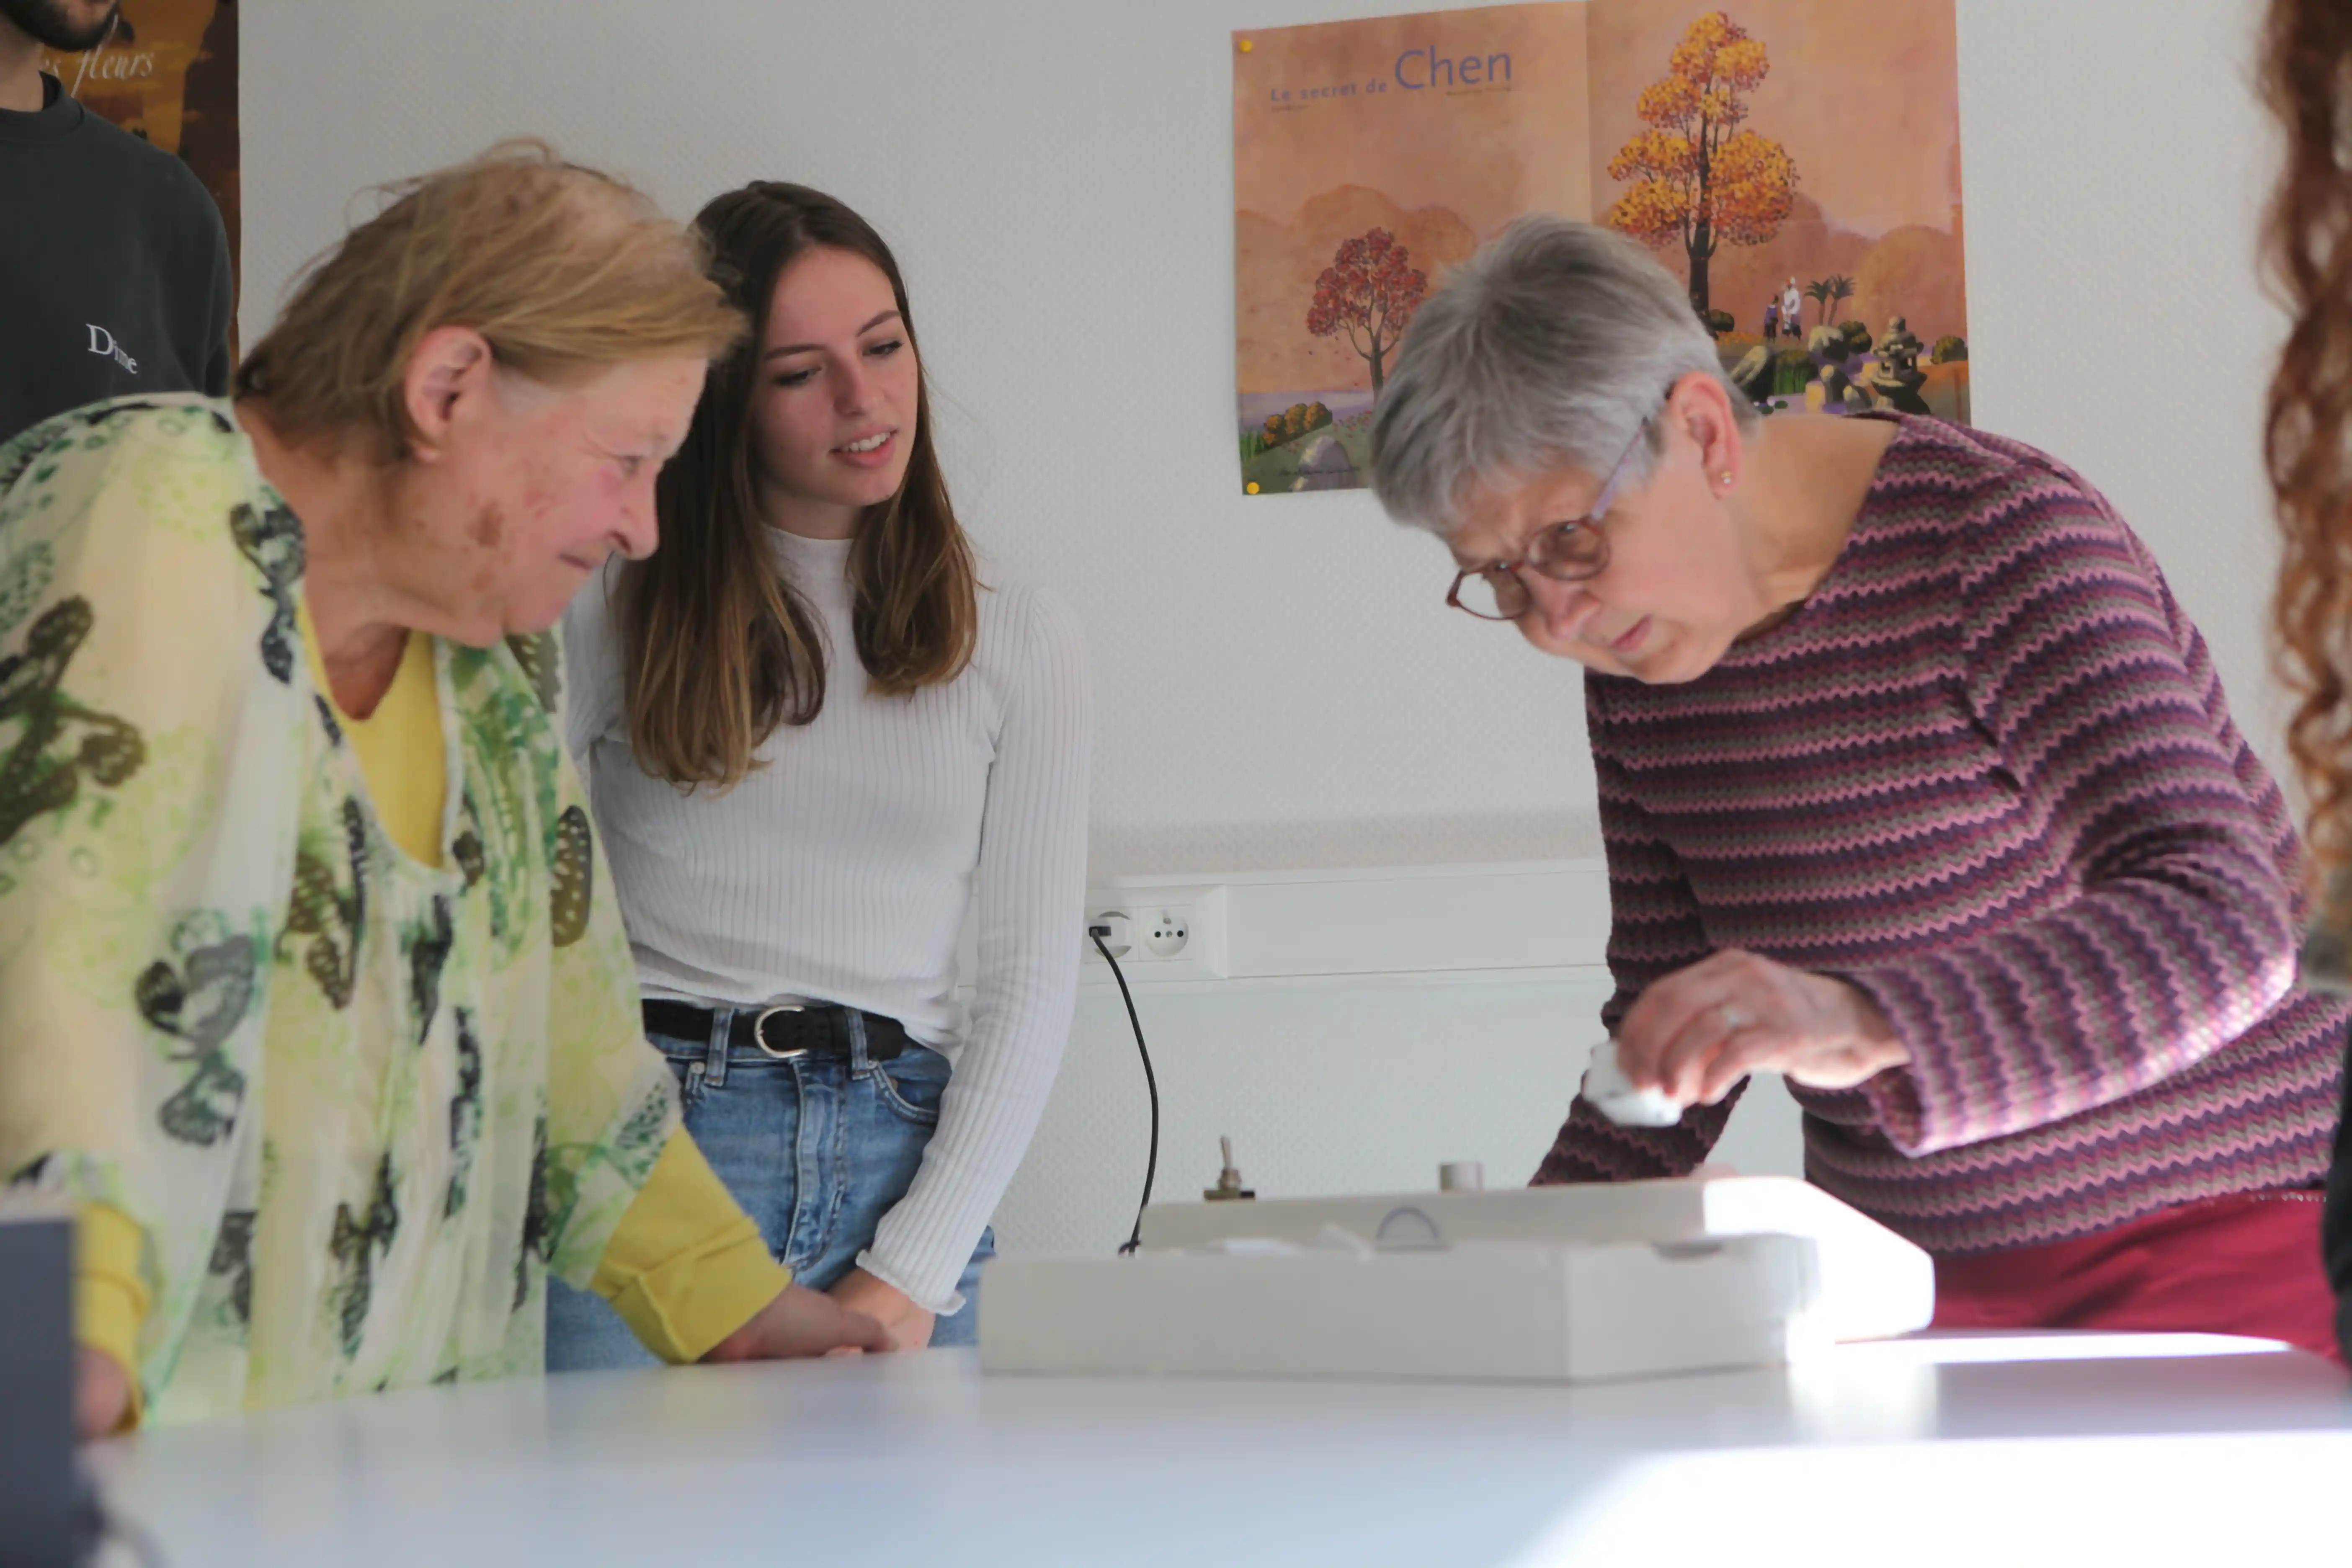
1795, 164
166, 72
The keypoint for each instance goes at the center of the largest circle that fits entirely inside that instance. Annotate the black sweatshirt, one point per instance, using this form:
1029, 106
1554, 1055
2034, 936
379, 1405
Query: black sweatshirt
114, 273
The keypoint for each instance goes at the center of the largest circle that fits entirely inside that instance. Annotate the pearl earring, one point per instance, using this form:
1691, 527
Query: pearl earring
1725, 479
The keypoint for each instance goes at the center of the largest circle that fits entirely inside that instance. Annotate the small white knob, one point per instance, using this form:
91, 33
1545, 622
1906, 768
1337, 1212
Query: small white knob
1462, 1176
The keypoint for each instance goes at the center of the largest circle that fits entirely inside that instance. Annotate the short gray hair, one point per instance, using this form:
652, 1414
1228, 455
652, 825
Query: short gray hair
1545, 350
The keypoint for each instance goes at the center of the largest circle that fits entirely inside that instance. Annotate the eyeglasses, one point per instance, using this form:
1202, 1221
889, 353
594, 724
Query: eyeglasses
1572, 552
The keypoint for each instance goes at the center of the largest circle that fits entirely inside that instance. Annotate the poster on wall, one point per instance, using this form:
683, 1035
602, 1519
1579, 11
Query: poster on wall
1795, 164
167, 74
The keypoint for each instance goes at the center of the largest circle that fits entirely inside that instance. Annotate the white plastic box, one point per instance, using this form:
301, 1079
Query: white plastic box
1514, 1309
1873, 1283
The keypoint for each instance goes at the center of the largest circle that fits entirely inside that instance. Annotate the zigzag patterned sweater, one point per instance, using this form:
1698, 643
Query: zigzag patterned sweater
1988, 774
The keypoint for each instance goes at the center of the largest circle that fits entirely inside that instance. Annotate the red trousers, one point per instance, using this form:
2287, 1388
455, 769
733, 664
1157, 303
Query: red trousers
2248, 1264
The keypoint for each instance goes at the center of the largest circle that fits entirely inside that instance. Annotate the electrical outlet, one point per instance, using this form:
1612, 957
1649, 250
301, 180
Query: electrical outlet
1174, 931
1117, 933
1167, 931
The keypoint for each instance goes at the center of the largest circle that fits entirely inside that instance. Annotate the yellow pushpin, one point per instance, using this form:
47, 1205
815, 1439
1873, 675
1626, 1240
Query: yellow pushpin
1246, 45
1251, 488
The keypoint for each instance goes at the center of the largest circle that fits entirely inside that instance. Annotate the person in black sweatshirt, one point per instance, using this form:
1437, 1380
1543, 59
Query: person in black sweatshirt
114, 271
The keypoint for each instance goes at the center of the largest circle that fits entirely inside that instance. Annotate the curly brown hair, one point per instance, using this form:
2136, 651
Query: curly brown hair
2307, 73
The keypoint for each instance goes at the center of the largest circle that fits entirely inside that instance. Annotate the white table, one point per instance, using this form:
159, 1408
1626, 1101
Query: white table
1948, 1449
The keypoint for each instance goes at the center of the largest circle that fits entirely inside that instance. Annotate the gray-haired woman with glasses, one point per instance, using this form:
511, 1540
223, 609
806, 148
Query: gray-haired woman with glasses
1917, 787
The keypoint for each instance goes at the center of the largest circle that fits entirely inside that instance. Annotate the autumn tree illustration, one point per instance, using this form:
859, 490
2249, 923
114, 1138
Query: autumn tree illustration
1369, 292
1699, 177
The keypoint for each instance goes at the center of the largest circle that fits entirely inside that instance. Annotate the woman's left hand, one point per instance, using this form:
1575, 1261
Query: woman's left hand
101, 1393
910, 1326
1700, 1030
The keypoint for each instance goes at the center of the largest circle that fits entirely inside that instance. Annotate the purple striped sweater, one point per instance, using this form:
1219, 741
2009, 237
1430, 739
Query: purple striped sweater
1986, 774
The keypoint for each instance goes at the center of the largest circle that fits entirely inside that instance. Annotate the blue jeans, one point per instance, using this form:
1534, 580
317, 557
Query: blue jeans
816, 1150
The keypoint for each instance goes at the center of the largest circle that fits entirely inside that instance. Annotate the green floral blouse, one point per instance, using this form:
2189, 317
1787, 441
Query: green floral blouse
358, 1105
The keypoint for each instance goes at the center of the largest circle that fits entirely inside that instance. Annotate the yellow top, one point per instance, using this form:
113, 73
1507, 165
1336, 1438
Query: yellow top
399, 745
111, 1298
686, 1266
681, 1279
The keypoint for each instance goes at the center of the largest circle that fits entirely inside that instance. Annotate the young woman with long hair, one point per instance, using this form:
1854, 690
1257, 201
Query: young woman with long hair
810, 730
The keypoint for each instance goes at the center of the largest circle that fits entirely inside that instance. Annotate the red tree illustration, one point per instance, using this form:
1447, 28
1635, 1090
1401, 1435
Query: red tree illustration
1370, 291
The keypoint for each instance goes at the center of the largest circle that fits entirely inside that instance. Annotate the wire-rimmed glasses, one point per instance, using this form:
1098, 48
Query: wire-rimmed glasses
1572, 552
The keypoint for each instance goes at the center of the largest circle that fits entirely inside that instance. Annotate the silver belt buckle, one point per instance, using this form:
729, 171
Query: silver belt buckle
760, 1033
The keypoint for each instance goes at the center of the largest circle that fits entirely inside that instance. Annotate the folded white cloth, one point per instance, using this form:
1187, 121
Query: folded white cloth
1614, 1095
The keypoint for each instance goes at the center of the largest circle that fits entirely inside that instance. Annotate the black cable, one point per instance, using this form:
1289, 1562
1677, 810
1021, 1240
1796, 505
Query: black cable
1151, 1165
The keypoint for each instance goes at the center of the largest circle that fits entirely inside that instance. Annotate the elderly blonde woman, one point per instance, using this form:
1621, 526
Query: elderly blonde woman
1917, 787
313, 994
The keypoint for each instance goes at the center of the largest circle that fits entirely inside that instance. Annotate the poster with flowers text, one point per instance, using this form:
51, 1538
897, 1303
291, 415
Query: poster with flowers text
1795, 164
166, 72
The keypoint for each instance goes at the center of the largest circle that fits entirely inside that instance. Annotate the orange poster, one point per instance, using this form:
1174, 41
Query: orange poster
168, 74
1795, 163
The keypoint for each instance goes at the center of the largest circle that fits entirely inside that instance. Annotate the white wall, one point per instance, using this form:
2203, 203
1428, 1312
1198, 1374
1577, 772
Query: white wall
1278, 686
1361, 1089
1276, 679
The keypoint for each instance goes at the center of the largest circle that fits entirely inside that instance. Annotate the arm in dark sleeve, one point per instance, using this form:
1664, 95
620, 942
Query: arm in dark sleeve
202, 288
2183, 934
1653, 930
220, 319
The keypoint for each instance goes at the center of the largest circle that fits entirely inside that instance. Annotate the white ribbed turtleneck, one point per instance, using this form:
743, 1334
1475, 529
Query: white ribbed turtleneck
841, 872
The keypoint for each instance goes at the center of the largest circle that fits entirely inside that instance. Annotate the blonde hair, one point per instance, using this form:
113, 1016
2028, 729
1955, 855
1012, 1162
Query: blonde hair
562, 270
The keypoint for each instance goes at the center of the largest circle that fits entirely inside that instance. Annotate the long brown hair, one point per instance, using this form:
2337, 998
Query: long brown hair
720, 649
2306, 55
564, 270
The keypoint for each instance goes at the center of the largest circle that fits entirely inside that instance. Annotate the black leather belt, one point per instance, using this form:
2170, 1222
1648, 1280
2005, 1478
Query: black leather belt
786, 1033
